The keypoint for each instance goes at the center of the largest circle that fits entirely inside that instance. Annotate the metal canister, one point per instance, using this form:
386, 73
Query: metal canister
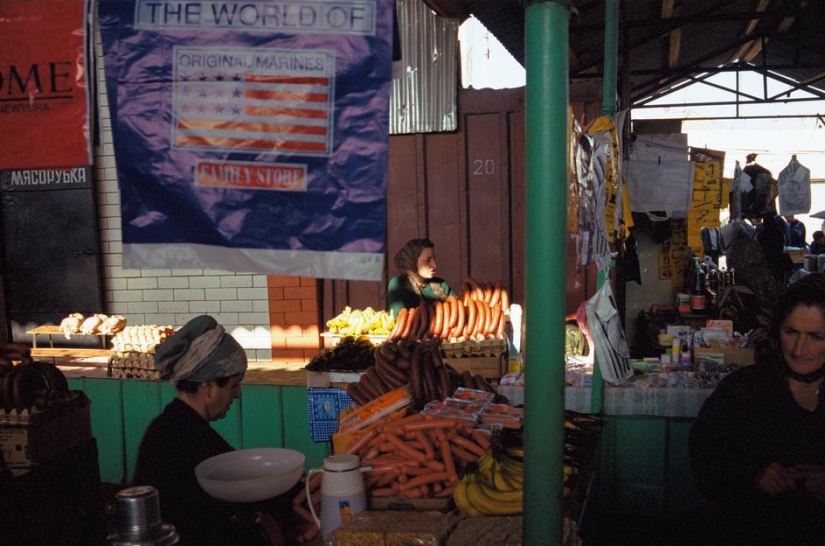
138, 520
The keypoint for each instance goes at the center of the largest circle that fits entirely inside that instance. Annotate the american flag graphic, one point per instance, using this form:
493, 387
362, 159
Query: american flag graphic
253, 100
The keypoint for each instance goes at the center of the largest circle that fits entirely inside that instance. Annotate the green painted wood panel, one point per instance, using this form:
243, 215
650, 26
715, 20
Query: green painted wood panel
141, 404
107, 427
683, 499
167, 393
297, 435
632, 471
262, 420
230, 426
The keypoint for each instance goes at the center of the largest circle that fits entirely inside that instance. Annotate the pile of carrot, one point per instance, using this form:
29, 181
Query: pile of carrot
419, 455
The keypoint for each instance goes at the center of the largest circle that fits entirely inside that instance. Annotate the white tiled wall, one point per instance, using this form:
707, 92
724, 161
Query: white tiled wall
238, 301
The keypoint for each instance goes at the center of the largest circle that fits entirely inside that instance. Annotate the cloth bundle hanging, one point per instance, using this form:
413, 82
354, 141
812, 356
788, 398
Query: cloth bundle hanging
794, 189
609, 342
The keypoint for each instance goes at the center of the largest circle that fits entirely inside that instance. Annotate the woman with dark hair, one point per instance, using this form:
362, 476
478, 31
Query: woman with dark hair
206, 365
416, 281
757, 446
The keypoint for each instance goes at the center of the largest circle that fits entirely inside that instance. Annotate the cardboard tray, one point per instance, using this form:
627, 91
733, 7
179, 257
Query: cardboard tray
41, 437
736, 357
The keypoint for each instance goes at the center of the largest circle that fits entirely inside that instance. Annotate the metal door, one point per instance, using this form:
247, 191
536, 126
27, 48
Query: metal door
51, 258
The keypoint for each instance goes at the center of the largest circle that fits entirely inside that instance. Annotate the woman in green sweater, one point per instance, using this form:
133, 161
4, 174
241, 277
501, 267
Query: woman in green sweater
416, 281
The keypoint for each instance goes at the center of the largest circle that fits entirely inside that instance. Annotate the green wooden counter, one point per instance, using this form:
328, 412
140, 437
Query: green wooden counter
272, 412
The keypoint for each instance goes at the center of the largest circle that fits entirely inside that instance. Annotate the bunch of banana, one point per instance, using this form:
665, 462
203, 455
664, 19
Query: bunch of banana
496, 488
360, 322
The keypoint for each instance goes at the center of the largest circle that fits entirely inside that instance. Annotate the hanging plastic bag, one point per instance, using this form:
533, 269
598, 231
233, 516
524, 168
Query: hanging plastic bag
794, 189
609, 342
660, 186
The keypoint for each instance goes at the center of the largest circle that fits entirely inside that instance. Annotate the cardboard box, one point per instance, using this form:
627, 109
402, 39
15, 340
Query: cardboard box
321, 380
489, 367
736, 357
44, 436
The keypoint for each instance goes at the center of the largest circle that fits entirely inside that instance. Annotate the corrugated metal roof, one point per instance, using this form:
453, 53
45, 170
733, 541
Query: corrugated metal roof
667, 43
424, 95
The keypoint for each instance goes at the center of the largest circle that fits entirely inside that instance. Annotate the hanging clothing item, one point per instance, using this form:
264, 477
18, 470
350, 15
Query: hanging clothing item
590, 234
756, 190
660, 186
794, 189
735, 194
632, 268
609, 341
607, 187
659, 176
711, 242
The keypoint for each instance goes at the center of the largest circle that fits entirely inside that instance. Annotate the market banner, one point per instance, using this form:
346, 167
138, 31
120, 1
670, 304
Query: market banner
251, 136
44, 78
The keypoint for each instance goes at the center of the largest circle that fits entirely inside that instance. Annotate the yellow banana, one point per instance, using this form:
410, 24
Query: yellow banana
500, 482
490, 502
462, 500
514, 477
486, 467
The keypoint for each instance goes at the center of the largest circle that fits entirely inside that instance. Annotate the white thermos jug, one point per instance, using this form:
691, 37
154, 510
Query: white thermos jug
342, 492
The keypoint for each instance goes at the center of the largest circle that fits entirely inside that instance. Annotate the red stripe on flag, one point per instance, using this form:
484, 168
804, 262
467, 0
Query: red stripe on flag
257, 144
296, 96
250, 127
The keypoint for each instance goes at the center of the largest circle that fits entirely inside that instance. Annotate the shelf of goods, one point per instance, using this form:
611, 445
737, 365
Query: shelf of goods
454, 481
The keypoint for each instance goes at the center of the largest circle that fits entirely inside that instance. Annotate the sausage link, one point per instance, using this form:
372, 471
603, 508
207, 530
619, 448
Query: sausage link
458, 329
492, 329
400, 324
411, 314
472, 315
354, 392
416, 379
428, 376
496, 297
505, 299
438, 323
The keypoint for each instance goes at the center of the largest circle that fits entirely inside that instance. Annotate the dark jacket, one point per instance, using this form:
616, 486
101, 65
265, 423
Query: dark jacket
173, 445
750, 421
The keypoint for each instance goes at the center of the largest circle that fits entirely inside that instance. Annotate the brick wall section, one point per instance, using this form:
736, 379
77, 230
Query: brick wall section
283, 330
293, 318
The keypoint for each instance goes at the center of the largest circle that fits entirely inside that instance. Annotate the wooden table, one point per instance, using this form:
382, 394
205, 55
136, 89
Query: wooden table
52, 330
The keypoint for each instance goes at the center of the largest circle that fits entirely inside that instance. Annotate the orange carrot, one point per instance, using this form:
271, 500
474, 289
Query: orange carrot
422, 439
463, 454
362, 440
432, 464
383, 492
445, 492
425, 479
447, 457
469, 445
405, 449
482, 439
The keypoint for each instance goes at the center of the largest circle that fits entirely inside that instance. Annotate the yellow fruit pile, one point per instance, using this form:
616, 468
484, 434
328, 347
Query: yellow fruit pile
495, 489
361, 322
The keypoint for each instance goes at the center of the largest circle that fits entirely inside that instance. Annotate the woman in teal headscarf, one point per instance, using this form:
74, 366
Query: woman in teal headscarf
416, 281
206, 365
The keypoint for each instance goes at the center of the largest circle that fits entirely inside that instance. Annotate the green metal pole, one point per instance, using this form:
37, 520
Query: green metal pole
546, 50
611, 56
609, 85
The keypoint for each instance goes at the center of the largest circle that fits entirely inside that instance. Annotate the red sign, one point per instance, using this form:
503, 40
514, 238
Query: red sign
44, 92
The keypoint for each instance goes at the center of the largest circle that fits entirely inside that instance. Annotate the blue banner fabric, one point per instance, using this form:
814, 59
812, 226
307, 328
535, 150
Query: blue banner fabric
251, 136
